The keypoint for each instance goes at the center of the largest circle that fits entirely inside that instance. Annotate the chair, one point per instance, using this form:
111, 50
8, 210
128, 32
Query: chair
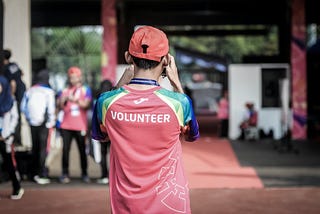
251, 133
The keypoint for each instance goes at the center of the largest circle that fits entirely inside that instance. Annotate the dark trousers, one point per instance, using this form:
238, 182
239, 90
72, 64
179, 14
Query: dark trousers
17, 134
286, 143
104, 166
224, 128
9, 166
39, 136
67, 136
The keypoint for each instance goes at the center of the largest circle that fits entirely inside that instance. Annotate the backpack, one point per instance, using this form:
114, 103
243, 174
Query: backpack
20, 90
13, 72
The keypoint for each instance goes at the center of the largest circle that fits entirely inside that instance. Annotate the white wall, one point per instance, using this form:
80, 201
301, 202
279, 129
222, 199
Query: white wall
245, 84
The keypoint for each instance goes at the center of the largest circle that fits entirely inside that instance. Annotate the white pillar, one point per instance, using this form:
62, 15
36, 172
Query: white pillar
16, 37
16, 34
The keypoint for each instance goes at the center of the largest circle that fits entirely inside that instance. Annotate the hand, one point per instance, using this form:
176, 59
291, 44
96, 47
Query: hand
126, 76
107, 139
62, 101
71, 98
185, 129
172, 74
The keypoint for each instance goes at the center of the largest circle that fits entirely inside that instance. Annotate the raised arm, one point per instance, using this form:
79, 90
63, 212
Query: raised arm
126, 76
173, 75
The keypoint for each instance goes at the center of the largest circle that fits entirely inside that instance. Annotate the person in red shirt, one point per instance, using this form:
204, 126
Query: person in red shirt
144, 123
74, 101
223, 115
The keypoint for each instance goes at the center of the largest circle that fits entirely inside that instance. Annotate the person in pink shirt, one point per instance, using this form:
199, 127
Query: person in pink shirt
223, 115
74, 101
145, 123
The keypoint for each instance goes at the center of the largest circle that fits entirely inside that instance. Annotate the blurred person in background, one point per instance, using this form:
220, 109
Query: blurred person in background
250, 119
8, 122
38, 106
105, 85
13, 73
74, 101
223, 115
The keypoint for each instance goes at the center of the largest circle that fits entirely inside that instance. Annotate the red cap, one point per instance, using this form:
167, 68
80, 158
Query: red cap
74, 70
149, 43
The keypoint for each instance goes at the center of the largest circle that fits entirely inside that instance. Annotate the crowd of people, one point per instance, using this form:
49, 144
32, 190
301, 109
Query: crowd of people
140, 122
138, 156
45, 110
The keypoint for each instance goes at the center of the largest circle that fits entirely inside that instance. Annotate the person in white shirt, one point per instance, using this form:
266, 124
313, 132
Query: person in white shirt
38, 105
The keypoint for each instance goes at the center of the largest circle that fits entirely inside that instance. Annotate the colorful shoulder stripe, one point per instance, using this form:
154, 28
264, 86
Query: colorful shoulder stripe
86, 91
181, 104
105, 99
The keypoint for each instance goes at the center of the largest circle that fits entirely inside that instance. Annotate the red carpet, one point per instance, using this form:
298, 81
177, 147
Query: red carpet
211, 163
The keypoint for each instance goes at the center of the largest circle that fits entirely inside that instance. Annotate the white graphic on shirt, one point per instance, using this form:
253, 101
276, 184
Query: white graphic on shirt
140, 118
173, 195
141, 100
75, 110
170, 199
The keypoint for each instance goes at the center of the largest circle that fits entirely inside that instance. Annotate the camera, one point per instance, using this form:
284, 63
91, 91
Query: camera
164, 73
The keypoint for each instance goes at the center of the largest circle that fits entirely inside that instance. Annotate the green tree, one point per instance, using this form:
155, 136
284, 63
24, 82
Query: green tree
65, 47
231, 47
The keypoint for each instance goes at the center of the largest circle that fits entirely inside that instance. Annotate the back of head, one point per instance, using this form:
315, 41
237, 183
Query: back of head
42, 77
6, 54
147, 46
105, 85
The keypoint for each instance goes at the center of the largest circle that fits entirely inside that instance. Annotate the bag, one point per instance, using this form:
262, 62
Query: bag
54, 145
21, 89
95, 150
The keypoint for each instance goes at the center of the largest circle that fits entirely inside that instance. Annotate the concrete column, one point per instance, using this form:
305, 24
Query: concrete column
299, 70
16, 37
16, 34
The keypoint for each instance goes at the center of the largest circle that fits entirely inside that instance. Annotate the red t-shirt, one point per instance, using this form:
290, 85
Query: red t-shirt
74, 117
146, 168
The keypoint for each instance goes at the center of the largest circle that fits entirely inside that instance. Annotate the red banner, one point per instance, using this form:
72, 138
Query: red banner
299, 73
109, 44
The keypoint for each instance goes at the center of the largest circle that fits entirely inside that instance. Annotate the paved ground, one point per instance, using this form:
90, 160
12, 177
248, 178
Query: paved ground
95, 200
281, 169
291, 185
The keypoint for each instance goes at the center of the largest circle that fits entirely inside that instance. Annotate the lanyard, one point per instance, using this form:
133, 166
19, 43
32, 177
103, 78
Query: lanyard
142, 81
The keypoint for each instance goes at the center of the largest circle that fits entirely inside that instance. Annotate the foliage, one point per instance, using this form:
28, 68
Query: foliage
65, 47
233, 48
81, 46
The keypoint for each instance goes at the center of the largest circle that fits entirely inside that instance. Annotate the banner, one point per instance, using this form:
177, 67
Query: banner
298, 67
109, 44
